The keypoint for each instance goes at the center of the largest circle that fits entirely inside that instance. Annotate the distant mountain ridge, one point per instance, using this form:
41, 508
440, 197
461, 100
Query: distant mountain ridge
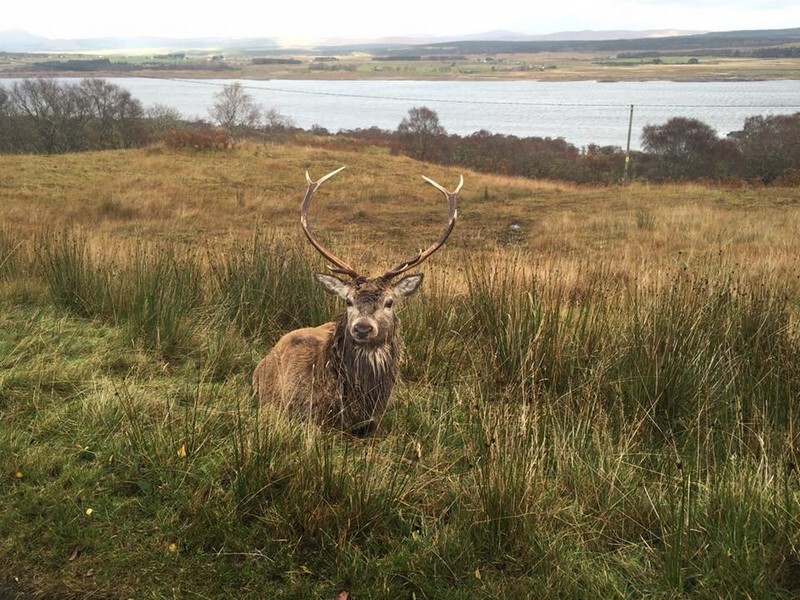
728, 41
563, 36
511, 36
491, 41
20, 41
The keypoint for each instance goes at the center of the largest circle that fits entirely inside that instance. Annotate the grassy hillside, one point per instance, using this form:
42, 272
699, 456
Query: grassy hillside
599, 394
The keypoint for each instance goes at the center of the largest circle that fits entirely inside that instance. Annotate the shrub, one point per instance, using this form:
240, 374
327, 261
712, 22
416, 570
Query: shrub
770, 146
688, 149
198, 138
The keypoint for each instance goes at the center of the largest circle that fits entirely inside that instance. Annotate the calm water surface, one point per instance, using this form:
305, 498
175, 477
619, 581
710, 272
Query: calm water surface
582, 112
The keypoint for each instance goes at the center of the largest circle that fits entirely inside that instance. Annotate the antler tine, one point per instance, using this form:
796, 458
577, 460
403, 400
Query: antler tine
340, 266
452, 215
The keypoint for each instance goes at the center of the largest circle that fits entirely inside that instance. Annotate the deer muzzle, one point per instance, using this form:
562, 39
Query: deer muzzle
363, 330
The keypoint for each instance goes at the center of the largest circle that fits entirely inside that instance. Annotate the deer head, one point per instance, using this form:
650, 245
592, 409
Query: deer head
370, 305
370, 301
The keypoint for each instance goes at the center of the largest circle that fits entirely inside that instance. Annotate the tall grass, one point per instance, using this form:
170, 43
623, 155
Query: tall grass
694, 349
159, 299
712, 356
435, 332
75, 278
266, 288
532, 344
163, 294
155, 293
691, 345
12, 253
555, 433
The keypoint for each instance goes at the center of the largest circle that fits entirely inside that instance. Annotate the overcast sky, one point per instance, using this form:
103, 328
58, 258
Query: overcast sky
363, 19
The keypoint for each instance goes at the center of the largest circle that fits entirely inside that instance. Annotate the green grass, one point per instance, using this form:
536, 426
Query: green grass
555, 436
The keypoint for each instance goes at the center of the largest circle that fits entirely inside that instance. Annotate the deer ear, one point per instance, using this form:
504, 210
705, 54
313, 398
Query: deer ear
407, 285
332, 285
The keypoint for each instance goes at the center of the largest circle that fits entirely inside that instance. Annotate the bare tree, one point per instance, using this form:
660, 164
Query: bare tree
277, 127
53, 115
233, 107
274, 118
115, 115
161, 118
48, 116
6, 121
419, 132
769, 146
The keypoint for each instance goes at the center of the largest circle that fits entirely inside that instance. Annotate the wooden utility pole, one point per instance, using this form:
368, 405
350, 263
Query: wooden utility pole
628, 148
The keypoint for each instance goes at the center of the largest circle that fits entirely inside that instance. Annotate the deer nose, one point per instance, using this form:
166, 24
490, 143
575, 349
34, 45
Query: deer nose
362, 330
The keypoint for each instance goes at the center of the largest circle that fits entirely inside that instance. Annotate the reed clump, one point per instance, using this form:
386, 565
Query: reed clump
538, 430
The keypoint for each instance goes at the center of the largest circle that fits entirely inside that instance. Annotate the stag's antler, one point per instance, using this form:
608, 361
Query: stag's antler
451, 222
341, 266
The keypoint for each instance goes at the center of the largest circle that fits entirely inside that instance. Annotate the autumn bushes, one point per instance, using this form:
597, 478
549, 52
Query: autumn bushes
766, 149
198, 138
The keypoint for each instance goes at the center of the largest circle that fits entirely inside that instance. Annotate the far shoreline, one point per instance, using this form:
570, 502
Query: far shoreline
234, 76
517, 67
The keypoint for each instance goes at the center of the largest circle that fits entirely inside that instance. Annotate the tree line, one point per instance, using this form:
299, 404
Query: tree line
47, 116
766, 149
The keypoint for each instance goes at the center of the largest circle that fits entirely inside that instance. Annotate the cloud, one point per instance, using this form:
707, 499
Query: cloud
726, 6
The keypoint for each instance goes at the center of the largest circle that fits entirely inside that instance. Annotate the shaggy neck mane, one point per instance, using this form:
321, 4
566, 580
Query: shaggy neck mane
364, 375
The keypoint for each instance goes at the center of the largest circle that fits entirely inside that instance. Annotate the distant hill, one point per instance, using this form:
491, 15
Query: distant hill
21, 41
725, 40
503, 35
488, 42
584, 35
15, 40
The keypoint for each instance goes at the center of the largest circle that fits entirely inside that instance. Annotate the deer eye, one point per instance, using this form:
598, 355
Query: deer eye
348, 301
388, 303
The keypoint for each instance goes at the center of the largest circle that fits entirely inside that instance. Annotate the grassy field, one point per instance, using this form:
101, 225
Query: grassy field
598, 402
566, 66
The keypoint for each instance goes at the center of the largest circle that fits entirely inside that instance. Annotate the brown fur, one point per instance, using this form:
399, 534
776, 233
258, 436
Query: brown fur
339, 374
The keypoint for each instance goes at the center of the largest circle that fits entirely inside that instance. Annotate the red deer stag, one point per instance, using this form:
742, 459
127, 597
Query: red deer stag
341, 374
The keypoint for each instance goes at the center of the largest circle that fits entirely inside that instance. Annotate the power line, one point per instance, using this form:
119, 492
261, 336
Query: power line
460, 101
